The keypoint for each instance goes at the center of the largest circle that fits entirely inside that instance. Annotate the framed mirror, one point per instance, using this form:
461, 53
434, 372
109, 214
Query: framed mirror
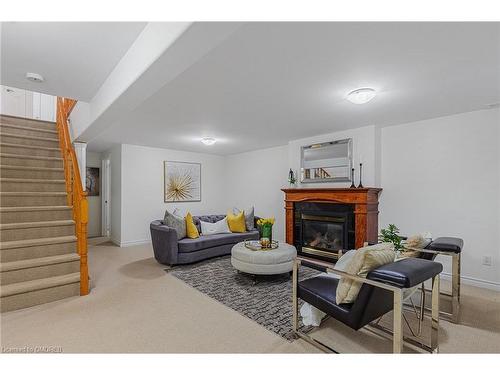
327, 162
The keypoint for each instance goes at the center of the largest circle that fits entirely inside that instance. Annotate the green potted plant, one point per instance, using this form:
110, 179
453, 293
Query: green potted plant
391, 234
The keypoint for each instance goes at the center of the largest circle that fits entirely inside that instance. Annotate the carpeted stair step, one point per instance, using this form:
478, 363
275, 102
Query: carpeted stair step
38, 268
30, 123
17, 171
35, 292
31, 184
36, 213
31, 161
37, 198
19, 139
12, 148
29, 131
37, 248
39, 262
39, 229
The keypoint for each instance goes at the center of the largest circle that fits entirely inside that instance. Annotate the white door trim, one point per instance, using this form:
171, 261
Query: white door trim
106, 197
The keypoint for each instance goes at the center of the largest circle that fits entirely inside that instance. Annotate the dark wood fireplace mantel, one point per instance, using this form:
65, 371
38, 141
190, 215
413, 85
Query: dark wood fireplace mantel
365, 201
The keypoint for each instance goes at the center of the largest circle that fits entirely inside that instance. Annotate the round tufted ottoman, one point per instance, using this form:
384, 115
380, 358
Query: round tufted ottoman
263, 262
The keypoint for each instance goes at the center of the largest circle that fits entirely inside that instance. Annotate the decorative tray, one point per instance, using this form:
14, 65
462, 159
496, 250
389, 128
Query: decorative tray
256, 246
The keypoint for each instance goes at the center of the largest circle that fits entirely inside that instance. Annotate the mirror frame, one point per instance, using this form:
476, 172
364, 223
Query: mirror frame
334, 179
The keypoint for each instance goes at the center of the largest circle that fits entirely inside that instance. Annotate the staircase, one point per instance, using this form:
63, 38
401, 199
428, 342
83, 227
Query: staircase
39, 259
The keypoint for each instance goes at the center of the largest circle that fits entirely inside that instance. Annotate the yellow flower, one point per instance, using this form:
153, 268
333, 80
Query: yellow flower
265, 221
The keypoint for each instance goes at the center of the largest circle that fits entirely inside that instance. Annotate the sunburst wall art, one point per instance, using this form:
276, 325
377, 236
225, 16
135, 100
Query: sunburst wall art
182, 181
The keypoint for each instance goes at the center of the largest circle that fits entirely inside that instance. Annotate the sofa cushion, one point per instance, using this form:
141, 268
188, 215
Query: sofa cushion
178, 223
206, 218
249, 217
214, 228
236, 222
187, 245
191, 230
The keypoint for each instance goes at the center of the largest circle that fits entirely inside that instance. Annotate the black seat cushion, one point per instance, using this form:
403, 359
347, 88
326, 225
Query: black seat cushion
406, 273
320, 291
447, 244
189, 245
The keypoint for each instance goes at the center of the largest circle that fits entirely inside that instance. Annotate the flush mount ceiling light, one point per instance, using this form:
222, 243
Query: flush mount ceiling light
361, 96
34, 77
209, 141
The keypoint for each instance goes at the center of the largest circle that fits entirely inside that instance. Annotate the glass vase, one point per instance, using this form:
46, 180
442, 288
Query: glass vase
266, 235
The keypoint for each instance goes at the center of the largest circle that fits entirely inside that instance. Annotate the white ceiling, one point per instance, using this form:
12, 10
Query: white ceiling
273, 82
269, 83
74, 57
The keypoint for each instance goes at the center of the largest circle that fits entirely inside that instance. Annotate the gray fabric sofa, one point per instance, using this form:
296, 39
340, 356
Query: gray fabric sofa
168, 250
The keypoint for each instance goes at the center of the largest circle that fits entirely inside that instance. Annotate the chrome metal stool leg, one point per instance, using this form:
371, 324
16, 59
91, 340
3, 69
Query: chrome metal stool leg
435, 315
398, 322
455, 288
422, 310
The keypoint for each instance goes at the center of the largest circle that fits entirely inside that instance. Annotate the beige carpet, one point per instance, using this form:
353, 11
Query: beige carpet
135, 306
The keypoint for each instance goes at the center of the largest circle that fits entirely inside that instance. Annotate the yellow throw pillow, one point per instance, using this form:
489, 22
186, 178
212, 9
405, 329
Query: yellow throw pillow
236, 222
191, 230
364, 260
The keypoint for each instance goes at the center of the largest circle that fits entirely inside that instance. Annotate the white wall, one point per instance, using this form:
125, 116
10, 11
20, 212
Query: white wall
28, 104
142, 188
443, 176
255, 179
79, 118
365, 148
95, 211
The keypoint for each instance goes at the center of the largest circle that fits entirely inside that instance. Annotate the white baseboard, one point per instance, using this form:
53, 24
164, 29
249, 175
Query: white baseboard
131, 243
480, 283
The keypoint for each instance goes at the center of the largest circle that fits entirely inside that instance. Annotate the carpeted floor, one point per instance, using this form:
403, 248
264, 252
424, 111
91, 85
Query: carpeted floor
267, 302
136, 307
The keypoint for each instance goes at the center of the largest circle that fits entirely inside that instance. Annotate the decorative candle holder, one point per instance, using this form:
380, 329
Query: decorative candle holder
360, 175
352, 179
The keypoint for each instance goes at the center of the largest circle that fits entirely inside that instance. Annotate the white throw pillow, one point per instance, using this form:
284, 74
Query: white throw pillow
214, 228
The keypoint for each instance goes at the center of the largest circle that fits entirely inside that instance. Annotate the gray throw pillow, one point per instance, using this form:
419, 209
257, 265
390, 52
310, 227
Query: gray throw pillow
249, 217
176, 222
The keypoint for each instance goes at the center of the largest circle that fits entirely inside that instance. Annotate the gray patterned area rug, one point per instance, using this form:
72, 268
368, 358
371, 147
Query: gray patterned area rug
268, 302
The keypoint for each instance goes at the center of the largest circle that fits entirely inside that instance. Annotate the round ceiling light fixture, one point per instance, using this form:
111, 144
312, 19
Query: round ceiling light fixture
34, 77
208, 141
361, 96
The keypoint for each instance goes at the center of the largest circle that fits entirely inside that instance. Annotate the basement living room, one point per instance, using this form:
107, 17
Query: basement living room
250, 187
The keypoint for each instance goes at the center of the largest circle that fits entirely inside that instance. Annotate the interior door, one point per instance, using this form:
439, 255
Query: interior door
106, 192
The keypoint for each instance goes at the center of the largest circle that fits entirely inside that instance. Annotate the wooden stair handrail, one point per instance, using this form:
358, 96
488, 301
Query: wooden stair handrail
76, 195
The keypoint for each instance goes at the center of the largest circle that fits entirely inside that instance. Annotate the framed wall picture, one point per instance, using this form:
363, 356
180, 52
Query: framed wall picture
92, 181
182, 181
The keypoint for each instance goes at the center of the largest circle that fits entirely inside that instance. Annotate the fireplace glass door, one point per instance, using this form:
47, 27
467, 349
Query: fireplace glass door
323, 233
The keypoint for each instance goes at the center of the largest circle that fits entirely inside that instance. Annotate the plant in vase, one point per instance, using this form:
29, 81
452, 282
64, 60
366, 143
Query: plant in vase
391, 234
266, 231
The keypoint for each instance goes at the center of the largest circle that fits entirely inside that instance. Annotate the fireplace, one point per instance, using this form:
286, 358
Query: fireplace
323, 229
321, 222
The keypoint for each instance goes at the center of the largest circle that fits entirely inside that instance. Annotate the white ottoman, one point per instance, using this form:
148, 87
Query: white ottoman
263, 262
